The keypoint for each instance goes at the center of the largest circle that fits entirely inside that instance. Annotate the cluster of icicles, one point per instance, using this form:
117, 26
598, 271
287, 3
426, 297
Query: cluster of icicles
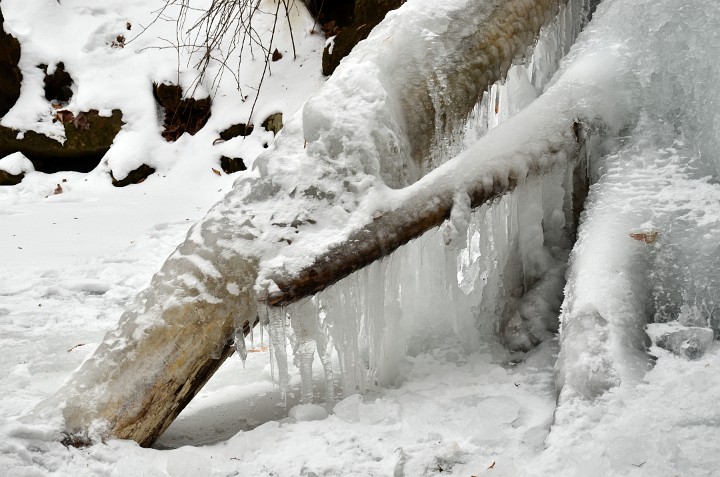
485, 273
473, 278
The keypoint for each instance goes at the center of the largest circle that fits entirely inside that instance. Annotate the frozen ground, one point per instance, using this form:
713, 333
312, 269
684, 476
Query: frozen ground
72, 262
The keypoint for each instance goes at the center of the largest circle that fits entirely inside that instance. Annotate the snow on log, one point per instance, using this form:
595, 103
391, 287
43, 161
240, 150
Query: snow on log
328, 176
427, 204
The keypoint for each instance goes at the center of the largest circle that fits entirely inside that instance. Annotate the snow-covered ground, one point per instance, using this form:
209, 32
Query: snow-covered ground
72, 262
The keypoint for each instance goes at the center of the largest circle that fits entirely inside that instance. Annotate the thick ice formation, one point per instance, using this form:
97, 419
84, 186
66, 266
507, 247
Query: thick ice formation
646, 251
511, 273
506, 257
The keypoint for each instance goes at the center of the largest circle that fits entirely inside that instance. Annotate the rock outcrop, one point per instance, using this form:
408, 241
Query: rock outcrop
10, 75
88, 138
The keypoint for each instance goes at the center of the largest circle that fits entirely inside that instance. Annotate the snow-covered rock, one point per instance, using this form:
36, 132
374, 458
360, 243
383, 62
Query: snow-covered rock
689, 341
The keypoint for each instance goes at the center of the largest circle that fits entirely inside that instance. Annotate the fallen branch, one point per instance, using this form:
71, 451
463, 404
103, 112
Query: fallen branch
428, 205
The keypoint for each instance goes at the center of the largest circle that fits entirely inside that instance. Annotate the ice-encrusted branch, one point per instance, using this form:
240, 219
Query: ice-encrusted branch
422, 206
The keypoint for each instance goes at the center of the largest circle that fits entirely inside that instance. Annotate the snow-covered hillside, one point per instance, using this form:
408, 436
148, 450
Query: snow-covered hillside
415, 379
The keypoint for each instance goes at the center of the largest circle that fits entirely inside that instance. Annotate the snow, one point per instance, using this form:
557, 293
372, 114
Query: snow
308, 412
417, 333
16, 164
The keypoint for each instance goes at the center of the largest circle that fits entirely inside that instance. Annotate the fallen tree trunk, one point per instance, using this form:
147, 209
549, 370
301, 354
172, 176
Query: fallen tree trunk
180, 329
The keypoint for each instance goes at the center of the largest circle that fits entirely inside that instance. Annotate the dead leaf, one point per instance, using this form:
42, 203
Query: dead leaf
58, 190
81, 121
492, 466
76, 346
259, 349
65, 116
216, 171
119, 42
276, 55
647, 237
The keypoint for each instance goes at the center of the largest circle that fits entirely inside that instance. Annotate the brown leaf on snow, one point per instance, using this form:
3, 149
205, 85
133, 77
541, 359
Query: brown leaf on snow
65, 116
647, 237
492, 466
58, 190
118, 42
216, 171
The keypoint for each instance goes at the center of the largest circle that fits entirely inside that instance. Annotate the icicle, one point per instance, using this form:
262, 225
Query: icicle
455, 233
303, 360
324, 349
278, 343
262, 322
469, 259
240, 347
239, 339
304, 322
252, 335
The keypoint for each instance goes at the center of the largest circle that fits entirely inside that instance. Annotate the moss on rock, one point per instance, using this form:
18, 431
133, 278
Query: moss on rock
182, 115
135, 176
89, 136
273, 123
10, 74
7, 179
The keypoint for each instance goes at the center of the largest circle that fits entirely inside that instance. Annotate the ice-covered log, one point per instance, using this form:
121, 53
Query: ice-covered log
476, 177
330, 171
418, 75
